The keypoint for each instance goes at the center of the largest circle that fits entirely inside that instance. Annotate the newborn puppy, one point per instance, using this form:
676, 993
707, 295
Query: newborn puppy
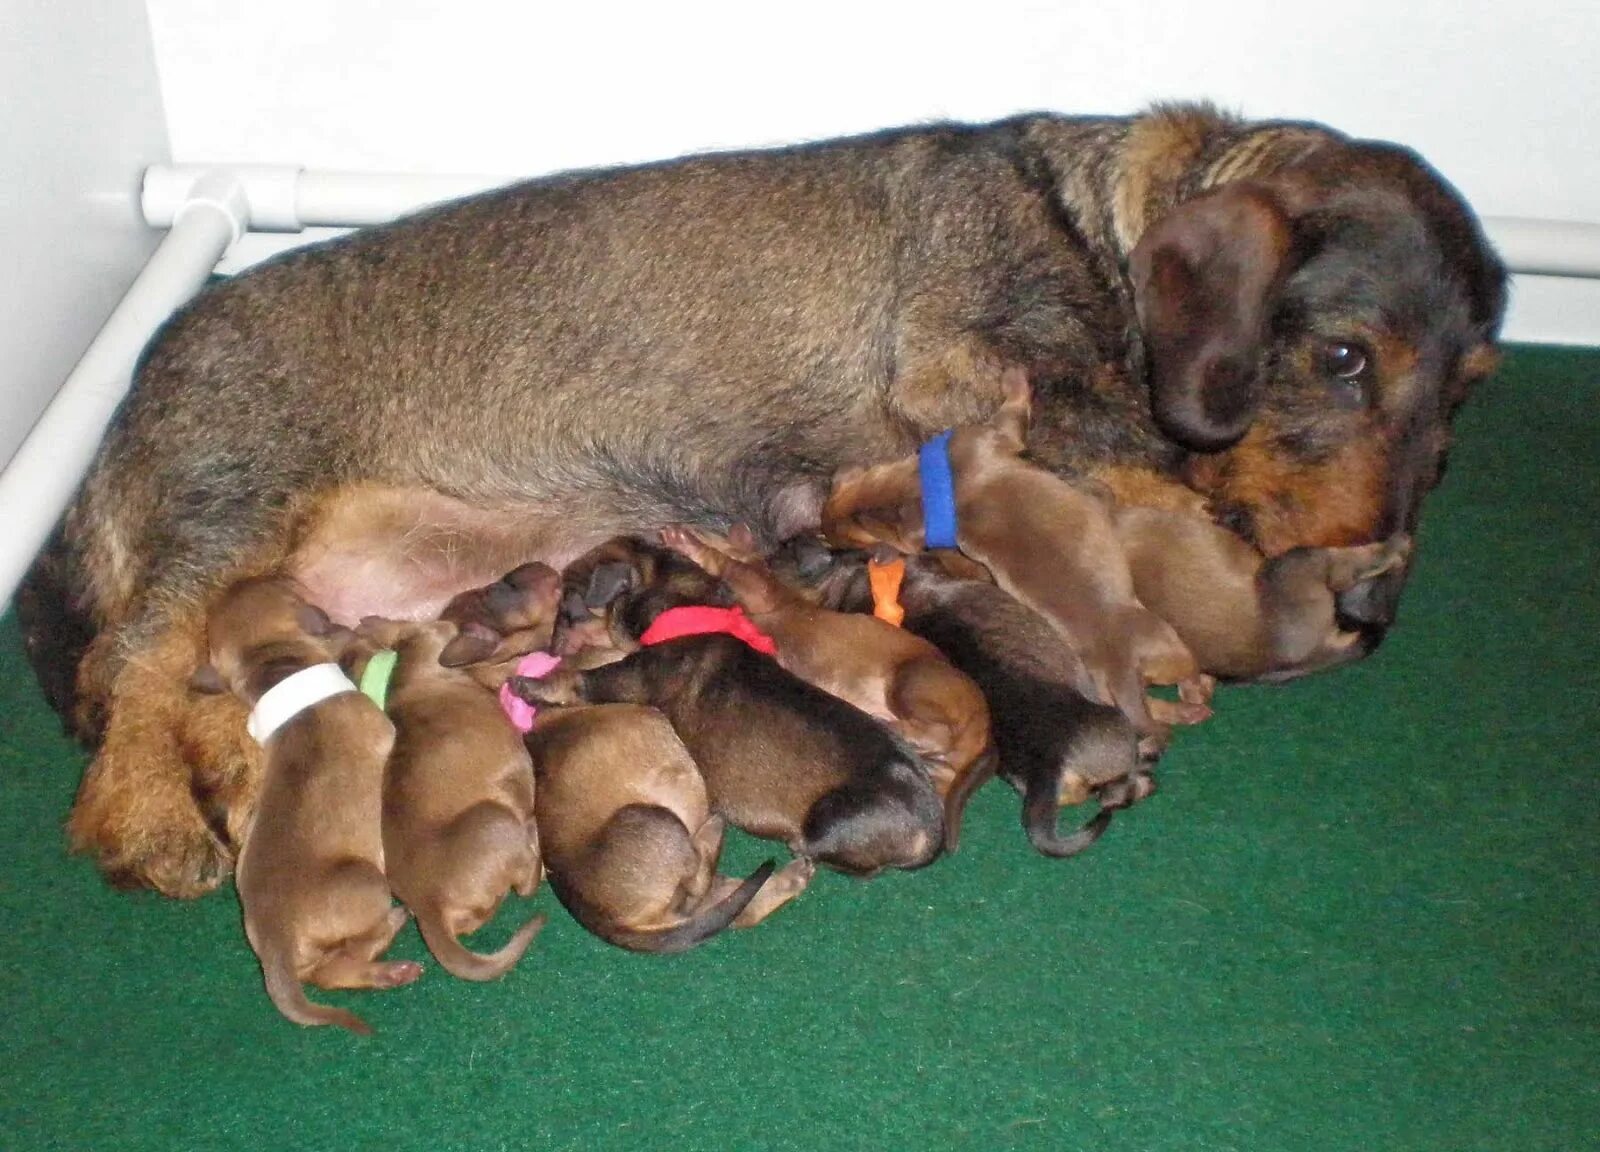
1246, 618
1050, 544
629, 839
311, 873
781, 758
458, 800
887, 672
1055, 747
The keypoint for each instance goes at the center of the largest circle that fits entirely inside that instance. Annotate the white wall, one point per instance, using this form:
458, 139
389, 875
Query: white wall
80, 118
1500, 97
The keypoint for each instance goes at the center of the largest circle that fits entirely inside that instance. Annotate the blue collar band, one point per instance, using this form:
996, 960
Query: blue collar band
938, 493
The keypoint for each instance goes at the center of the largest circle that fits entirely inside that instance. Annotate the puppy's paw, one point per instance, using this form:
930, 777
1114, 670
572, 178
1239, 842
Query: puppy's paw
396, 974
560, 687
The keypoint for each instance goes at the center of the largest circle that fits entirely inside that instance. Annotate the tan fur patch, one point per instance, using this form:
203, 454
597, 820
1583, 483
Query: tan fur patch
1145, 488
1479, 362
1332, 504
1158, 151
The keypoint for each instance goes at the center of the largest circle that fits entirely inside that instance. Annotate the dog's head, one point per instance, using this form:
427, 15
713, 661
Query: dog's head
611, 594
505, 620
259, 630
1309, 333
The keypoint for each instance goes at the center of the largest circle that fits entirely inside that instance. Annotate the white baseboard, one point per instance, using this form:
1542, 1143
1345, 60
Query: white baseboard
1554, 310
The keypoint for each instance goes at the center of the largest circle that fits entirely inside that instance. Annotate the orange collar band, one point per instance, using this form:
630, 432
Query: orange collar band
885, 578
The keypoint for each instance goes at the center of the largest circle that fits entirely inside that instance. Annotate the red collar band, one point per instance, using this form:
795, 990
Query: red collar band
702, 620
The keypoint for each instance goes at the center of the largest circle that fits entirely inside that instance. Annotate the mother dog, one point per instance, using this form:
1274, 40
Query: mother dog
1270, 322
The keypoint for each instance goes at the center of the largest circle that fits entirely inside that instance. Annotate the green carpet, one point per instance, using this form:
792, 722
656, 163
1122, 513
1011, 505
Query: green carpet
1362, 913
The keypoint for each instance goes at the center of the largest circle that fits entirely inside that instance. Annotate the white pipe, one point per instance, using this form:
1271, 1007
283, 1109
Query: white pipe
1546, 247
284, 198
289, 199
42, 477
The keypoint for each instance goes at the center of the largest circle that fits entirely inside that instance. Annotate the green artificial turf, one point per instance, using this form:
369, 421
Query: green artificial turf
1362, 913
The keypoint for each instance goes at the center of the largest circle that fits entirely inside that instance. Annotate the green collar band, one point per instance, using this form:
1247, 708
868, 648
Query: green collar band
376, 675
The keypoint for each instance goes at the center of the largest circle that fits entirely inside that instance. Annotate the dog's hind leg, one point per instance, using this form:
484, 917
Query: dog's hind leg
136, 811
783, 886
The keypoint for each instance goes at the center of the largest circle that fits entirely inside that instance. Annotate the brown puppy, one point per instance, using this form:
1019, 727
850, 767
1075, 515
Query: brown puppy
885, 671
458, 798
311, 875
1055, 747
629, 838
1048, 543
781, 758
1243, 616
1271, 319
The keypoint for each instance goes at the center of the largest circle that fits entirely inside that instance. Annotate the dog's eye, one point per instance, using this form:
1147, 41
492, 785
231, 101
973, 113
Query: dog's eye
1346, 361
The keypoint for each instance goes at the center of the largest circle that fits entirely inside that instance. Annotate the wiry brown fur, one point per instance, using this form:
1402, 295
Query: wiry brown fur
706, 340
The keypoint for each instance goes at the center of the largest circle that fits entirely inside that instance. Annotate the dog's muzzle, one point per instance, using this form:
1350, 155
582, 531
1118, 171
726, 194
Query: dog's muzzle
1370, 607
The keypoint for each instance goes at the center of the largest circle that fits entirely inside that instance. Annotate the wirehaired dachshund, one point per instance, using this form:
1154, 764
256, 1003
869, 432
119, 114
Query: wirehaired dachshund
1267, 323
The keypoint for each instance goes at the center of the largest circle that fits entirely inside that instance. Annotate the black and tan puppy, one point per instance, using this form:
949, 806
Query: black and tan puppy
1055, 747
629, 838
1051, 544
781, 758
1269, 320
311, 875
458, 798
887, 672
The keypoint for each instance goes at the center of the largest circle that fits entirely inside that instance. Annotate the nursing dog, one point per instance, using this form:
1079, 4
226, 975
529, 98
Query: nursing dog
1269, 323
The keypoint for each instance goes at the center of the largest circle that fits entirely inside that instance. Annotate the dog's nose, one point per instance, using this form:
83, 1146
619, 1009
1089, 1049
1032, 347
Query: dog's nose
1370, 606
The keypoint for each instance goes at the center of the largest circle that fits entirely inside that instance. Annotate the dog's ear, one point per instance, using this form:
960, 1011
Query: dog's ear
312, 620
338, 639
533, 577
1205, 278
811, 557
1012, 418
607, 582
472, 645
208, 680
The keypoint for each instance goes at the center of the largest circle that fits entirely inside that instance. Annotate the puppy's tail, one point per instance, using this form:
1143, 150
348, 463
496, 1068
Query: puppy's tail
680, 937
289, 995
1041, 811
980, 771
460, 961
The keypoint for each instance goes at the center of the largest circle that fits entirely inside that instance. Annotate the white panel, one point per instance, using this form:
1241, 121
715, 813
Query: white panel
1500, 97
80, 116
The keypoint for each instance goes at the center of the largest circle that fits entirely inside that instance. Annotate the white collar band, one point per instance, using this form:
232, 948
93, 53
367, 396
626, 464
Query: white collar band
293, 695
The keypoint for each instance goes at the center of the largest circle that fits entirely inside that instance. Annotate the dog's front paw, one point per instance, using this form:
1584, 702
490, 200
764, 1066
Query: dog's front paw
560, 687
149, 842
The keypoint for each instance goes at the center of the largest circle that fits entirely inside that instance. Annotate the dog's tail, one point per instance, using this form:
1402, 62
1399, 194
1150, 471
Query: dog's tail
1041, 811
289, 996
460, 961
680, 937
979, 772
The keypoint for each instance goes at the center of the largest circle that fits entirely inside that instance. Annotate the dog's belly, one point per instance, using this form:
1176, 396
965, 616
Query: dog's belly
402, 553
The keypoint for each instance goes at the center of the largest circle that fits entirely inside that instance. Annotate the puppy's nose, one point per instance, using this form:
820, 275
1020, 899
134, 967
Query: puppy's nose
1370, 606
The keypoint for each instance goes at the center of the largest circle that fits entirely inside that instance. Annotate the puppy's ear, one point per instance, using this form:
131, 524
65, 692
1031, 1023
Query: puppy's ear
1011, 419
472, 645
534, 577
338, 640
1205, 279
607, 582
208, 680
812, 558
312, 620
